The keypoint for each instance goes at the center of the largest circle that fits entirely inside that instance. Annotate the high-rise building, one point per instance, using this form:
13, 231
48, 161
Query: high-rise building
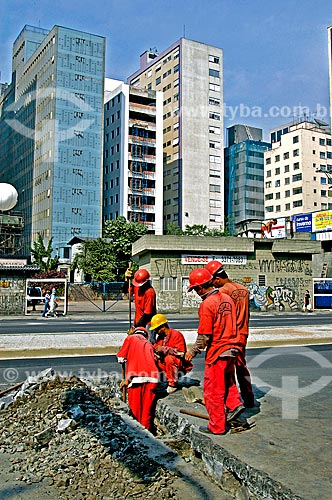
298, 171
51, 123
190, 74
133, 155
244, 176
329, 51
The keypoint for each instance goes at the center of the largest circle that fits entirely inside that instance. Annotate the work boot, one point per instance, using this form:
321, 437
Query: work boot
206, 430
235, 413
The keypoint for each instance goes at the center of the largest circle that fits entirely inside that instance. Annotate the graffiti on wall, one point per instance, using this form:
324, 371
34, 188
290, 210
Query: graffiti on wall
278, 298
284, 266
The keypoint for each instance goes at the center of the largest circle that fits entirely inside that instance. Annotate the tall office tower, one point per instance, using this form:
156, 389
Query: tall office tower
298, 170
190, 75
51, 123
133, 155
244, 176
329, 50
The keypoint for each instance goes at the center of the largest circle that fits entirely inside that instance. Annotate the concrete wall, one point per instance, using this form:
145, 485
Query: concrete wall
276, 273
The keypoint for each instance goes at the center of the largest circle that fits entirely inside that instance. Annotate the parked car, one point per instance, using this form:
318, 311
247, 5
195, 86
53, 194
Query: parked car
36, 296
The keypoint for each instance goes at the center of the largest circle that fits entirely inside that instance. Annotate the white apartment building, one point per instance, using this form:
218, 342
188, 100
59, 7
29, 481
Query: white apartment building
298, 171
329, 51
190, 75
133, 155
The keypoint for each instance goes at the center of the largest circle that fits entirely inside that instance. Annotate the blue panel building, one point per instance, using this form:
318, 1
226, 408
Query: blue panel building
51, 117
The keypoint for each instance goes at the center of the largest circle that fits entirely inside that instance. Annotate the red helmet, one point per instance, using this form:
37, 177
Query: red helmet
214, 266
141, 277
198, 277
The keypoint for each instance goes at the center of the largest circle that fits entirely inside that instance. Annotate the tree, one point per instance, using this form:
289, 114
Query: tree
96, 259
42, 255
122, 235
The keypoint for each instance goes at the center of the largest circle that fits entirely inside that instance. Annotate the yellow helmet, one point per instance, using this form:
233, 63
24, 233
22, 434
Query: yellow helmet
157, 320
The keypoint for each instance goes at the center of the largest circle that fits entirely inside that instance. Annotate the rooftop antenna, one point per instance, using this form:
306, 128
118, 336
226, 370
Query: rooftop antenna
184, 31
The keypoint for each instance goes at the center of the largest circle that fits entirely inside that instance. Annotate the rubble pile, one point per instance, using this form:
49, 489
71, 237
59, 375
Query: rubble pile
62, 432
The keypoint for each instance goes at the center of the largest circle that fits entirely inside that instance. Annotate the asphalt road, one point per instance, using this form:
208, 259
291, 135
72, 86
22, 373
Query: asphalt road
269, 366
27, 325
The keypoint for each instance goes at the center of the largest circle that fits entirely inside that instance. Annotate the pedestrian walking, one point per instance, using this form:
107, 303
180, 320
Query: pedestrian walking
170, 348
141, 375
306, 302
144, 299
240, 296
47, 298
53, 304
217, 333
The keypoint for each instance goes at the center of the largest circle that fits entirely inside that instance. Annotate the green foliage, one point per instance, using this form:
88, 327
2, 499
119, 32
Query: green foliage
97, 260
195, 230
174, 229
42, 255
122, 235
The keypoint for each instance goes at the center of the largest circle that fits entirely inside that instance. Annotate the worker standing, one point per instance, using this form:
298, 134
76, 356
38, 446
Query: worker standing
144, 299
217, 333
141, 375
240, 296
170, 348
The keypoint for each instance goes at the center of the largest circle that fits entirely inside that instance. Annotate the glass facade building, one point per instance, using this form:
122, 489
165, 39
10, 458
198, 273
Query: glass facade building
51, 130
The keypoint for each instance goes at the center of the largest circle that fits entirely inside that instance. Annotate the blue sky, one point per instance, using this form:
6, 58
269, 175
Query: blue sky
275, 53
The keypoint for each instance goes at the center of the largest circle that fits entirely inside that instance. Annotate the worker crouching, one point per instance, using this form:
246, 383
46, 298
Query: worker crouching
170, 348
141, 375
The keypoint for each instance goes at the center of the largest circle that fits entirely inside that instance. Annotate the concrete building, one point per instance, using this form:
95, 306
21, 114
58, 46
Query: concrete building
190, 74
244, 176
276, 271
329, 51
133, 155
51, 122
298, 171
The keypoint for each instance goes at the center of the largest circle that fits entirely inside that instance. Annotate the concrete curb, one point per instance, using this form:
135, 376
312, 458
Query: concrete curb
217, 458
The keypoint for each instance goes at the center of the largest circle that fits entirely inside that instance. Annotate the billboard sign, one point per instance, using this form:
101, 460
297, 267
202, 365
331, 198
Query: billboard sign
302, 223
322, 221
274, 228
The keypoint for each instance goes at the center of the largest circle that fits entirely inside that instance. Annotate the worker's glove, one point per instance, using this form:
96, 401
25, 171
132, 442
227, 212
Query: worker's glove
188, 356
131, 330
128, 273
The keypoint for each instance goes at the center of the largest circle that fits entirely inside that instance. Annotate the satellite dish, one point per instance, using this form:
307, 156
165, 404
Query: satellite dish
320, 123
8, 196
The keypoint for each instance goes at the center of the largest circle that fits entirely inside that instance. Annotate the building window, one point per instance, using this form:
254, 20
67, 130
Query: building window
296, 152
214, 73
297, 190
287, 206
287, 193
286, 169
158, 80
297, 177
295, 139
268, 173
269, 209
323, 193
277, 183
277, 171
214, 130
322, 142
214, 102
278, 208
269, 196
268, 161
277, 158
328, 142
214, 116
323, 180
322, 154
268, 184
168, 284
214, 188
176, 68
214, 59
287, 181
296, 166
277, 196
214, 87
297, 203
286, 156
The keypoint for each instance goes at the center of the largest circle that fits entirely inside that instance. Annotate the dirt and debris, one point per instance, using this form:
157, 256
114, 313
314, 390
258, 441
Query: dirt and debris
61, 439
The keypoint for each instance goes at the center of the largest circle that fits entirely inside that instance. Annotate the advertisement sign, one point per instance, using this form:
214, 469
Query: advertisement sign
274, 228
302, 223
322, 221
202, 260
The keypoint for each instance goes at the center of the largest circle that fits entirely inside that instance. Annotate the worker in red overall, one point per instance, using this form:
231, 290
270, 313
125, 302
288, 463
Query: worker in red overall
141, 375
217, 333
170, 348
240, 296
144, 299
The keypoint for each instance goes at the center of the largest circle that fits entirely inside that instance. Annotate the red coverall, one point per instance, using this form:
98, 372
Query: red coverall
142, 375
240, 296
217, 320
171, 362
145, 304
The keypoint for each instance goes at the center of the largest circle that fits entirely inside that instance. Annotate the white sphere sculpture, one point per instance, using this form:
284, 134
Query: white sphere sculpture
8, 196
